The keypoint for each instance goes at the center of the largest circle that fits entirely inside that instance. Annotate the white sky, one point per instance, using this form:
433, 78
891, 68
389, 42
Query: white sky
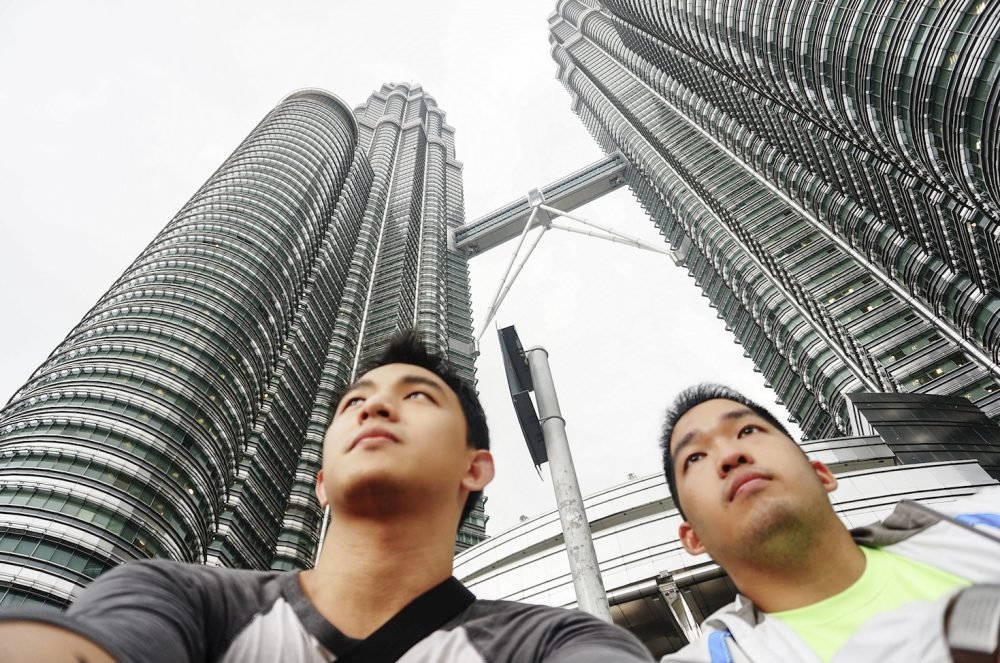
113, 113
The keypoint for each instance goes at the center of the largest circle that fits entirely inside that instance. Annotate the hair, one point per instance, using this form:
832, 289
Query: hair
405, 347
689, 398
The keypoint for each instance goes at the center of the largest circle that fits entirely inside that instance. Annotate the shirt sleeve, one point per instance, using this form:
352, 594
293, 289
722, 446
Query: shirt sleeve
582, 638
536, 634
148, 611
695, 652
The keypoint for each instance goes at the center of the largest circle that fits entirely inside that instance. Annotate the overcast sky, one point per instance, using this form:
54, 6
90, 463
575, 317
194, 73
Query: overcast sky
113, 113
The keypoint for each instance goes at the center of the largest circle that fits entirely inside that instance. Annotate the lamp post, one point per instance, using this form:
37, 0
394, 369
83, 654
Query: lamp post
526, 372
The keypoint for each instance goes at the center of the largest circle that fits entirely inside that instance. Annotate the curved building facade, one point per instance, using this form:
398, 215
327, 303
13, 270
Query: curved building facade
825, 171
183, 417
402, 273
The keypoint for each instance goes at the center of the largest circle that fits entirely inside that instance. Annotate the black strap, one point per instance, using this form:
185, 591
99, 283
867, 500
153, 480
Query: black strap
424, 615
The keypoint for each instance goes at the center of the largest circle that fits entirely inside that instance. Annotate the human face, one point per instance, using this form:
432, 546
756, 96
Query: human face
741, 480
398, 442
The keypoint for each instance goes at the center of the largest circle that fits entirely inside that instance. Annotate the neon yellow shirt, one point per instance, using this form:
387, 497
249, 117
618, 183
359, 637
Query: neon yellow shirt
888, 582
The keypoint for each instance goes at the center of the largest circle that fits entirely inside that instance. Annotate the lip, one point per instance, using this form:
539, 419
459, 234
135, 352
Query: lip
743, 479
373, 433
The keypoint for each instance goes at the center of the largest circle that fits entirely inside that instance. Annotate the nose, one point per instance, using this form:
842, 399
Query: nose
731, 460
377, 406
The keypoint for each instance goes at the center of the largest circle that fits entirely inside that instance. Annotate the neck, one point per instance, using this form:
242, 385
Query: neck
800, 570
370, 569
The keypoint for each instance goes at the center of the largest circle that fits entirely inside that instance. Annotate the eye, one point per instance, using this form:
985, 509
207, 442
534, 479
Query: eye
420, 395
748, 430
351, 402
693, 458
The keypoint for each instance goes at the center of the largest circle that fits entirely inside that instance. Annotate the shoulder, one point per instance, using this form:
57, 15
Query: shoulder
153, 569
519, 614
195, 585
981, 508
507, 630
696, 652
961, 537
739, 616
157, 571
169, 570
154, 610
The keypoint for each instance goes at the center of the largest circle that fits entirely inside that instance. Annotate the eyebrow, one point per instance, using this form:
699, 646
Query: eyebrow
357, 384
406, 380
689, 437
421, 380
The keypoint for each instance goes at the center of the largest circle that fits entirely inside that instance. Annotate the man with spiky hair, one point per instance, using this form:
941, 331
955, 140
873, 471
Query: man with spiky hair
404, 459
908, 589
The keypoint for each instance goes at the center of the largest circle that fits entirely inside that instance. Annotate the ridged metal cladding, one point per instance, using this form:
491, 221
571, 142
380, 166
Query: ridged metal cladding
126, 442
402, 272
909, 82
403, 193
826, 167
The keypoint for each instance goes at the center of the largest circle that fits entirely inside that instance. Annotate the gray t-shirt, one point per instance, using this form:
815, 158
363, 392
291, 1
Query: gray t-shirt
160, 611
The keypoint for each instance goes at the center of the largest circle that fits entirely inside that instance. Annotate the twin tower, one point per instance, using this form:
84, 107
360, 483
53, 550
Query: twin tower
184, 416
828, 173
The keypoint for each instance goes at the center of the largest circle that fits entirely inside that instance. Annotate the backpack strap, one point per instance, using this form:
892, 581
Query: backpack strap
421, 617
967, 520
989, 519
718, 650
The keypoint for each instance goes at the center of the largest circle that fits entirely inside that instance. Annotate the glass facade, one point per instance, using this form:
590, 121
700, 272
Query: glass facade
825, 171
403, 271
960, 430
184, 416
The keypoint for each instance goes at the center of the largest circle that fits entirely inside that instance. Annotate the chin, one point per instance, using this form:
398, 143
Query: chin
373, 494
769, 521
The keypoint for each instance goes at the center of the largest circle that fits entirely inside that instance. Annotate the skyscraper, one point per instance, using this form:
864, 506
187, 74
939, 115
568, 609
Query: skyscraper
826, 171
183, 417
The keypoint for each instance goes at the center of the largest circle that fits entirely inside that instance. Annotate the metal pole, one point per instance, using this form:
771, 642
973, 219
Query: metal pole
517, 270
513, 257
322, 534
617, 239
587, 582
607, 229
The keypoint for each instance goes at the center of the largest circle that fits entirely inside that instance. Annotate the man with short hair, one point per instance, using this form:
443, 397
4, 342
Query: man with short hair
809, 589
404, 458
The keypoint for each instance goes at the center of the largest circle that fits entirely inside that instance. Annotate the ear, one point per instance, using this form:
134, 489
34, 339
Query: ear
321, 489
689, 539
479, 472
825, 476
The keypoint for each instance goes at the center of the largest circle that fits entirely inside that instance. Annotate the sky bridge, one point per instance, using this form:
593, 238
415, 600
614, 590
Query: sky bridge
566, 194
